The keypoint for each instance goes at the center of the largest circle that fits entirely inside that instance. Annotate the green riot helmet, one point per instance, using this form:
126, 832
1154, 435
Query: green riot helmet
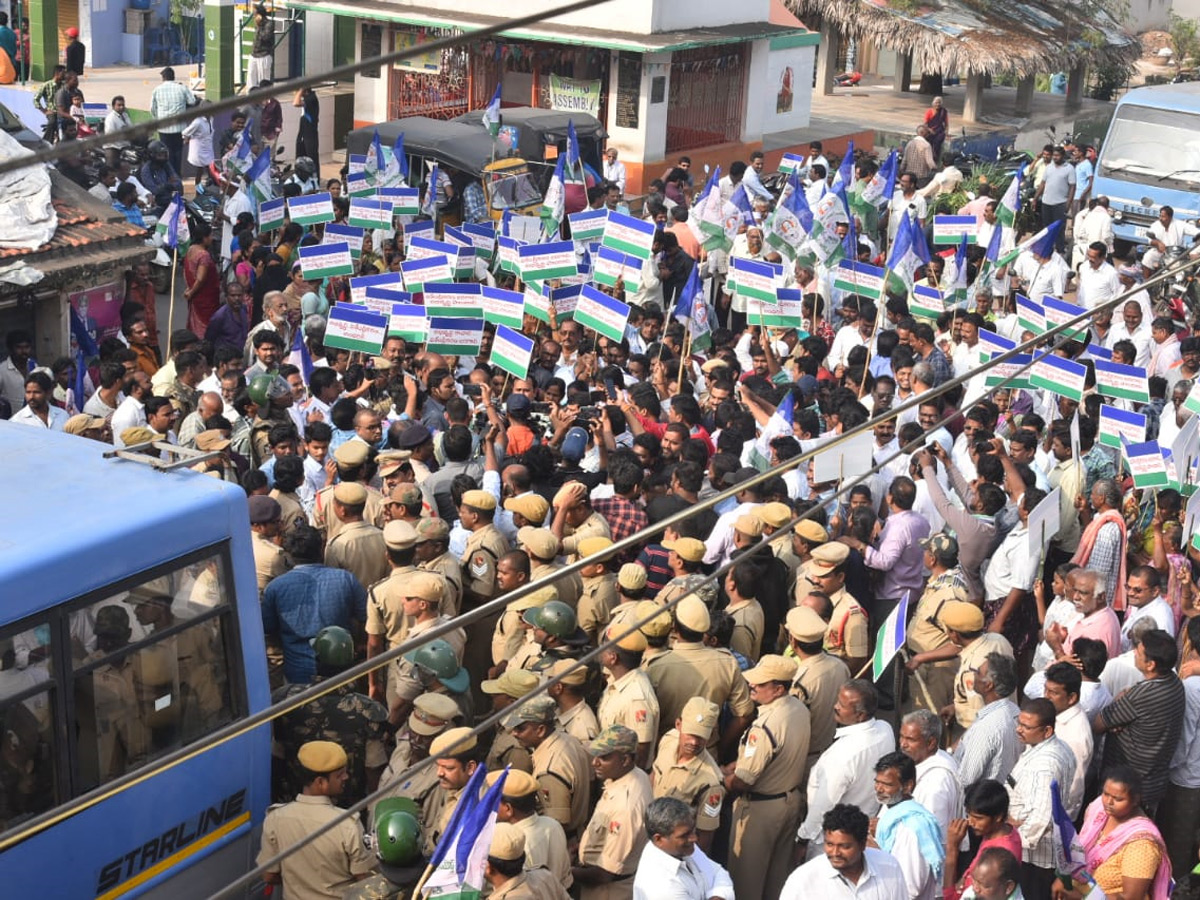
334, 647
438, 659
398, 840
555, 618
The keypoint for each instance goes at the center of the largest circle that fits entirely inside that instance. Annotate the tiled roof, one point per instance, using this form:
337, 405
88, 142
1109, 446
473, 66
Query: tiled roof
82, 224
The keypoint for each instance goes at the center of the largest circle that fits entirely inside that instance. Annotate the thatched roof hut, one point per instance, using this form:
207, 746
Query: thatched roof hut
1022, 37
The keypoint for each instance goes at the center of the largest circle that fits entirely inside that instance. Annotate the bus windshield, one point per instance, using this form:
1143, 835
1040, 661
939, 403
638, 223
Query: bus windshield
1153, 146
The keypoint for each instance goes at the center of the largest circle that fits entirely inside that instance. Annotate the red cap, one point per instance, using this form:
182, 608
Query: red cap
72, 31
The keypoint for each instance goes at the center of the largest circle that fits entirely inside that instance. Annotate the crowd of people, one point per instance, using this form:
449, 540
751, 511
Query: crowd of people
726, 740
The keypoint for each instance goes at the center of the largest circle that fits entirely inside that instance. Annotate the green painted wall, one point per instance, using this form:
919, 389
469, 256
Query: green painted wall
43, 38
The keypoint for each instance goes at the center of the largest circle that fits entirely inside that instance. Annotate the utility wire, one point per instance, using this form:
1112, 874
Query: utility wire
64, 149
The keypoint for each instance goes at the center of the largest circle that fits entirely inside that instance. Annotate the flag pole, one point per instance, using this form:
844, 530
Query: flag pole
171, 305
424, 878
683, 361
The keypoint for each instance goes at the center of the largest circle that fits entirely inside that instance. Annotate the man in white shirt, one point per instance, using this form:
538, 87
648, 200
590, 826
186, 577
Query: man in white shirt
907, 830
1063, 686
1041, 275
905, 200
671, 866
847, 869
1143, 596
1092, 225
236, 203
1136, 330
989, 748
815, 158
1098, 282
1166, 232
614, 171
937, 787
130, 412
38, 410
843, 773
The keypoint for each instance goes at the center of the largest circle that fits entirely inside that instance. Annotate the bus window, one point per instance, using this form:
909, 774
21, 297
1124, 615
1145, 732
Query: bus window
156, 673
27, 773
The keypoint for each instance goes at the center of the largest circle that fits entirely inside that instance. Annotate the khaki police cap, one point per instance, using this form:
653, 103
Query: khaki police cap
322, 756
539, 541
961, 616
633, 641
430, 529
570, 669
614, 739
515, 683
811, 532
541, 710
632, 577
774, 514
691, 613
805, 625
830, 555
390, 467
517, 784
508, 842
658, 626
688, 548
479, 499
432, 713
82, 422
532, 506
453, 742
590, 546
350, 493
749, 525
771, 668
351, 453
540, 597
139, 434
399, 535
210, 440
699, 717
425, 586
383, 365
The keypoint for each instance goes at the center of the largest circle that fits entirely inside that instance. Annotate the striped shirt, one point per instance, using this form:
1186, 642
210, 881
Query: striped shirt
170, 99
1030, 799
1149, 715
989, 748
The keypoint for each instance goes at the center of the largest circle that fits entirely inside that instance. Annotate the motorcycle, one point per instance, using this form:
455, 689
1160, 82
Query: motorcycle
1177, 296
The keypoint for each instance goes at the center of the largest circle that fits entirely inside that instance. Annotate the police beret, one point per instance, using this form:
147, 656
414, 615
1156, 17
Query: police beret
414, 435
541, 542
264, 509
425, 586
211, 440
692, 614
350, 493
517, 784
479, 499
533, 507
508, 841
658, 626
590, 546
689, 549
632, 577
82, 422
139, 434
399, 535
811, 532
453, 742
961, 616
749, 525
570, 669
774, 514
352, 453
322, 756
771, 668
633, 641
699, 717
515, 683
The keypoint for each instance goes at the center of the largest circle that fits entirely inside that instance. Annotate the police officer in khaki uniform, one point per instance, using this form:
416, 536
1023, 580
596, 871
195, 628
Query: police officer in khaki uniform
512, 573
354, 463
432, 714
599, 588
964, 622
513, 646
611, 845
358, 547
456, 756
269, 559
658, 623
542, 547
574, 717
773, 517
509, 687
819, 676
556, 635
846, 636
404, 502
685, 557
933, 657
484, 548
422, 604
631, 590
629, 697
561, 764
386, 622
806, 537
338, 858
545, 840
693, 669
507, 875
767, 778
433, 542
683, 769
574, 519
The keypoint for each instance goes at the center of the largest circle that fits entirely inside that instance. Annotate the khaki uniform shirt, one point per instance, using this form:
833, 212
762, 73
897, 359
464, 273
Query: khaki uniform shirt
846, 636
594, 525
748, 627
385, 606
448, 567
579, 722
292, 511
182, 397
966, 702
359, 549
507, 751
546, 847
484, 549
630, 701
569, 587
405, 680
269, 560
694, 670
563, 768
817, 682
325, 518
622, 612
435, 816
782, 548
925, 633
528, 655
329, 865
697, 782
532, 884
507, 637
596, 604
616, 833
775, 749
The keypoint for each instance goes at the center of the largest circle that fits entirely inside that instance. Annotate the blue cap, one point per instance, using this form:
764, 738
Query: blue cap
517, 403
575, 444
807, 385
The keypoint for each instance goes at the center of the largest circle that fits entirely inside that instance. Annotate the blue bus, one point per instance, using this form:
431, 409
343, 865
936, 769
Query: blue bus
1151, 158
129, 629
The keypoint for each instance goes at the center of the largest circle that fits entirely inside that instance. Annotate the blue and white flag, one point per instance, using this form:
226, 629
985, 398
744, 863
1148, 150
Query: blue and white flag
259, 176
429, 207
491, 114
890, 639
691, 310
460, 857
